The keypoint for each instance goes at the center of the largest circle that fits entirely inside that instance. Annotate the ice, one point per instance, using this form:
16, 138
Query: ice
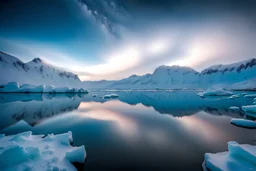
28, 88
250, 96
215, 92
106, 97
114, 95
110, 96
94, 95
249, 108
234, 96
239, 157
244, 123
11, 87
25, 151
234, 108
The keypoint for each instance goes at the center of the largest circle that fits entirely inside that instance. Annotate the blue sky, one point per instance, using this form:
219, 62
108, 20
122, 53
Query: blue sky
115, 39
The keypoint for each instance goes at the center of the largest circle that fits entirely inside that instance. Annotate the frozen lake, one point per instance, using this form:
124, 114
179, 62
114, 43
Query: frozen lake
137, 131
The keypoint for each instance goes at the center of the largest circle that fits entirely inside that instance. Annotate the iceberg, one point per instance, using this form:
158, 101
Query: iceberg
244, 123
110, 96
106, 97
49, 89
234, 96
237, 158
25, 151
81, 90
215, 92
94, 95
11, 87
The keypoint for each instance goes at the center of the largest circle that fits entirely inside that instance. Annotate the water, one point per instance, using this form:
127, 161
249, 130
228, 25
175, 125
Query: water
137, 131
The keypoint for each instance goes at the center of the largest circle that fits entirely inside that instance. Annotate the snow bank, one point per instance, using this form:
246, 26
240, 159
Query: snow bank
25, 151
239, 157
14, 87
215, 92
244, 123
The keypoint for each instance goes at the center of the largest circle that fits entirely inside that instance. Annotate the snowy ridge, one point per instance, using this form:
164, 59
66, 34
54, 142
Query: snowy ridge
241, 75
35, 72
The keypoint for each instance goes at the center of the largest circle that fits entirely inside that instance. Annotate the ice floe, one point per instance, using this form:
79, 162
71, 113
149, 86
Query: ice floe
215, 92
244, 123
25, 151
110, 96
237, 158
234, 96
14, 87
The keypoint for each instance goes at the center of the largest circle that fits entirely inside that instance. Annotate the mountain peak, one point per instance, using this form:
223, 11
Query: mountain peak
37, 60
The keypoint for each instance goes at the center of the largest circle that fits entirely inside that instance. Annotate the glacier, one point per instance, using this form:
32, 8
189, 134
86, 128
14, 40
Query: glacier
238, 157
25, 151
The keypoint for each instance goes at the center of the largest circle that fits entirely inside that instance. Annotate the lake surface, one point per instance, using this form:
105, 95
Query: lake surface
137, 131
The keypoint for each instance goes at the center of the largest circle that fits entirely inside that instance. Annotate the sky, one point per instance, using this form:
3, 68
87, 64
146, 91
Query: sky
113, 39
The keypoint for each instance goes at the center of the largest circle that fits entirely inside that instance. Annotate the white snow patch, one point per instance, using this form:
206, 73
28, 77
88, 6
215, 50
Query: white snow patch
239, 157
25, 151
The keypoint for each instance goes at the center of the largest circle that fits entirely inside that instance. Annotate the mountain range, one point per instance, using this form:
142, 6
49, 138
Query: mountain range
240, 75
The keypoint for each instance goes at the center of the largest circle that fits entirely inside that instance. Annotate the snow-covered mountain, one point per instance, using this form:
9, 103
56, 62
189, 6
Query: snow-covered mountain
35, 72
241, 75
232, 75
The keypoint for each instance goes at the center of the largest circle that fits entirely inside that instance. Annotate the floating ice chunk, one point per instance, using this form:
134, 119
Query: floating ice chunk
244, 123
77, 154
215, 92
26, 151
249, 108
239, 157
106, 97
94, 95
250, 96
234, 108
114, 95
62, 89
234, 96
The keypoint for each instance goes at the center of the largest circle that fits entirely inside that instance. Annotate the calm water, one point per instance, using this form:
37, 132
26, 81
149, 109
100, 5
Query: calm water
137, 131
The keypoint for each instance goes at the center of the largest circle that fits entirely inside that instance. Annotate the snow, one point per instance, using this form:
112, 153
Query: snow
35, 72
25, 151
234, 108
28, 88
215, 92
249, 108
239, 157
244, 123
250, 96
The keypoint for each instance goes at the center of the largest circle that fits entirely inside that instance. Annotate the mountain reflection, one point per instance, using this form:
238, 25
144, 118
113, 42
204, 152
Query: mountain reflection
33, 108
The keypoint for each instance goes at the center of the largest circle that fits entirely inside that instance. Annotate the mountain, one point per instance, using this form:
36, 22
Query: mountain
237, 75
35, 72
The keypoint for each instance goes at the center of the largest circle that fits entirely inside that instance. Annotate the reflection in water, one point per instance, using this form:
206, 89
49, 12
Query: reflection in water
138, 131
